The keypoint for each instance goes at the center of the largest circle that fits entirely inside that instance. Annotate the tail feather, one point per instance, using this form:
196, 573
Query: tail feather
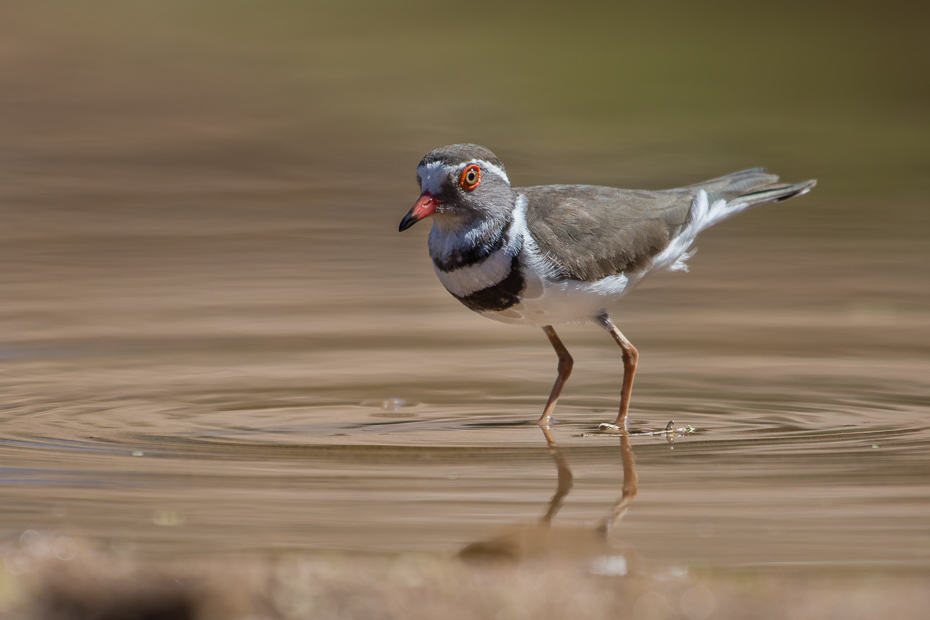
776, 193
754, 187
716, 200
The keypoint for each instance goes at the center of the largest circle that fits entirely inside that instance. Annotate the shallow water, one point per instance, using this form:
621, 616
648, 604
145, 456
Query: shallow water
215, 341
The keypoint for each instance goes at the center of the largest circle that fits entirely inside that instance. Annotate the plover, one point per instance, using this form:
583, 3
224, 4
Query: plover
565, 253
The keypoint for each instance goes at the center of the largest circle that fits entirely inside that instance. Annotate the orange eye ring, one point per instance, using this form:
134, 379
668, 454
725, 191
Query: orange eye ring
471, 177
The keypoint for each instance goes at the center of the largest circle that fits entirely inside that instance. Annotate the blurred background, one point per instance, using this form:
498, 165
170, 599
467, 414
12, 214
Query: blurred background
215, 341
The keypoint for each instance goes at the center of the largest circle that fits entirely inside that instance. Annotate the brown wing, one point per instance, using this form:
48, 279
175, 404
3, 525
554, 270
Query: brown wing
592, 232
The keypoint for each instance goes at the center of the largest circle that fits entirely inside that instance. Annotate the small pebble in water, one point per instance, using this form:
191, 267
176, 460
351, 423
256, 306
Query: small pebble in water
609, 565
393, 404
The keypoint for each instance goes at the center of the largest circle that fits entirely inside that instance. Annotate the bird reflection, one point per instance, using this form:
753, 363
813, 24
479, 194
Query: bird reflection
630, 484
542, 539
566, 479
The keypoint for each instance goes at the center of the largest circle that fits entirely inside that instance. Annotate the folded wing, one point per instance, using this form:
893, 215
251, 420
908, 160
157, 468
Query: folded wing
590, 232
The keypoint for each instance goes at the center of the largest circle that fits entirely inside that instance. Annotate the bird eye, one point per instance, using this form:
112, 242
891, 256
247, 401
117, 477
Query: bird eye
470, 178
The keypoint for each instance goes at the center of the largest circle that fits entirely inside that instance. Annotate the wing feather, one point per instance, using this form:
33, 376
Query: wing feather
592, 232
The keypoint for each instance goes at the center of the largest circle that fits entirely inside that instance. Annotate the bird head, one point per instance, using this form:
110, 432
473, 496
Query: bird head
461, 184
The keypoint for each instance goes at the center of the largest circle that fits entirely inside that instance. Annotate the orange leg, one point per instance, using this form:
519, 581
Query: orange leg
630, 358
565, 369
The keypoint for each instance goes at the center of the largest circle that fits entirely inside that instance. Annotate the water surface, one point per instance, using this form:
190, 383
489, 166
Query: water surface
214, 341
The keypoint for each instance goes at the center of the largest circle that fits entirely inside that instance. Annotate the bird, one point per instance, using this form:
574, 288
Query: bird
552, 254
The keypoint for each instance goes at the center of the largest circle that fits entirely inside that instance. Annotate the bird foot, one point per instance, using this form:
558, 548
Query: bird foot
669, 430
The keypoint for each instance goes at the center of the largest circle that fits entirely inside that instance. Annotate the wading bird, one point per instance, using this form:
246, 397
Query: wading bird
565, 253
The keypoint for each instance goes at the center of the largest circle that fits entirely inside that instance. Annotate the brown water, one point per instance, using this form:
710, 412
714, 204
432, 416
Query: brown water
214, 340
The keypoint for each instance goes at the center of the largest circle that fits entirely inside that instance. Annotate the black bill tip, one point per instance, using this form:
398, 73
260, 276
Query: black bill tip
408, 221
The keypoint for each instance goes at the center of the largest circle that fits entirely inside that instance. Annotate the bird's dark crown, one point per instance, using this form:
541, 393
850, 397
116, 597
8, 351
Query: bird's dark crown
456, 154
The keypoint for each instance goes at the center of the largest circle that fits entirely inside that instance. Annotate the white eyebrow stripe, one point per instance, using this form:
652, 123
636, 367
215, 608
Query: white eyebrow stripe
433, 173
431, 167
491, 168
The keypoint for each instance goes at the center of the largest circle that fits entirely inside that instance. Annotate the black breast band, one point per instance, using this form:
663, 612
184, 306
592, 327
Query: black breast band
500, 296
